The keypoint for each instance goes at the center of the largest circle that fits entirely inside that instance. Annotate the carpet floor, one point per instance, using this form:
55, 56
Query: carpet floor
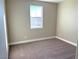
45, 49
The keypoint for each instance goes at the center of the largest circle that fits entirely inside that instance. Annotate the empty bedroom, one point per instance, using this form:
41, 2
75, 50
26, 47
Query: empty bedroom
38, 29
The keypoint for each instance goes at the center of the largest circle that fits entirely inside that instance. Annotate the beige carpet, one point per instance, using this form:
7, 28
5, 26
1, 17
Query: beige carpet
46, 49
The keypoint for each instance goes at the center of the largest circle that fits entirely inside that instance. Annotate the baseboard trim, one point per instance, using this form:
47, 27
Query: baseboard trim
74, 44
32, 40
44, 38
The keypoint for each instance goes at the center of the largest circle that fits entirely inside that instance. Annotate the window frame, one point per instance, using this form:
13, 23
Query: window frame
36, 27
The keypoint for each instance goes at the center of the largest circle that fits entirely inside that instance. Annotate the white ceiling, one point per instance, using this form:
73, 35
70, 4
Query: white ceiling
56, 1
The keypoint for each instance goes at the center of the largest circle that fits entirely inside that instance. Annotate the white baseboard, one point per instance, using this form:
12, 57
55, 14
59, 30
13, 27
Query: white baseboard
32, 40
74, 44
44, 38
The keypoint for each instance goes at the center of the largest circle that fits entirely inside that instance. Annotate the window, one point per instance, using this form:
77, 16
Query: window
36, 16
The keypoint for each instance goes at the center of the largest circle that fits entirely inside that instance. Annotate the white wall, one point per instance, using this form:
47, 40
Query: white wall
3, 38
19, 26
67, 21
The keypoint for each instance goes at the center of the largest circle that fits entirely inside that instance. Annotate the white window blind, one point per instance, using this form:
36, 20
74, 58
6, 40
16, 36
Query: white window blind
36, 16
